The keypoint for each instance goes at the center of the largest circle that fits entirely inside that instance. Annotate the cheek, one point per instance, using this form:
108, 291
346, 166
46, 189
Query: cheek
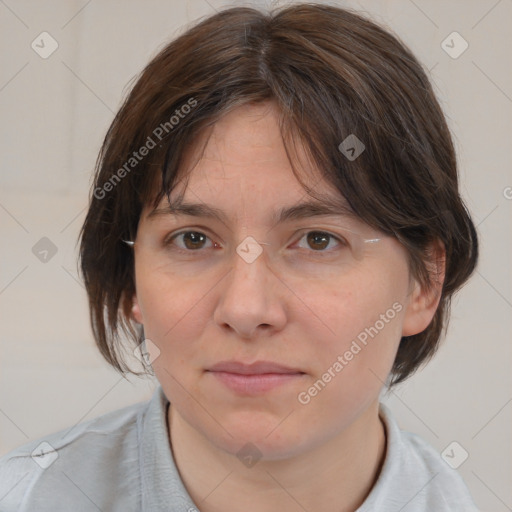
362, 320
349, 375
174, 313
172, 308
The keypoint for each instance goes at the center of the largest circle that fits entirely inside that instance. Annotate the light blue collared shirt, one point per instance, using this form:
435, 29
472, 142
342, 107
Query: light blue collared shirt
122, 461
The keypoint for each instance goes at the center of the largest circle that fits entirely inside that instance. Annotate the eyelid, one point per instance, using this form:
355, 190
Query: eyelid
213, 246
342, 242
201, 230
338, 236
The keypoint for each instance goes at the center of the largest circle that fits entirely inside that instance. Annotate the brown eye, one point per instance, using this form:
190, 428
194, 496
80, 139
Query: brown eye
318, 240
189, 240
193, 240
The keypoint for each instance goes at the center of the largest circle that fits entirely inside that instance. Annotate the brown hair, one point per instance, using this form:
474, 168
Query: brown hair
332, 73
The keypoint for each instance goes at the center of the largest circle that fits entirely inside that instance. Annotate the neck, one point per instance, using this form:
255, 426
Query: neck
336, 476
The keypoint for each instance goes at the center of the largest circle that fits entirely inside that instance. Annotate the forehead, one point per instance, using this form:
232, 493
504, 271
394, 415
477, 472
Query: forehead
241, 167
245, 147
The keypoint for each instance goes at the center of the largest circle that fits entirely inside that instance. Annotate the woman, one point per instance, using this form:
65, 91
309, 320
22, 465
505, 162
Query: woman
276, 226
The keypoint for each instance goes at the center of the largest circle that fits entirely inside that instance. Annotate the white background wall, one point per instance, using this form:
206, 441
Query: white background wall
54, 114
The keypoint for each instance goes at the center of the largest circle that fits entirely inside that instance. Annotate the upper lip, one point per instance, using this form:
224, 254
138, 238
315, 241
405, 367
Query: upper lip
256, 368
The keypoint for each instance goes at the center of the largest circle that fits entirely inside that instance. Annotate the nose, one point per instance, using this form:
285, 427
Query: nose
251, 299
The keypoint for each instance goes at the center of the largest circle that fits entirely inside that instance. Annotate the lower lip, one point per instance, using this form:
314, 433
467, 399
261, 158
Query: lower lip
255, 384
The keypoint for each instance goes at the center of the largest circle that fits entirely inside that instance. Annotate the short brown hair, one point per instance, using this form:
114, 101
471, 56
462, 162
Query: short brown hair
332, 73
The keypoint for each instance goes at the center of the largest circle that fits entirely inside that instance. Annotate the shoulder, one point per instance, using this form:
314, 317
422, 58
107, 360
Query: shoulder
81, 460
415, 476
442, 485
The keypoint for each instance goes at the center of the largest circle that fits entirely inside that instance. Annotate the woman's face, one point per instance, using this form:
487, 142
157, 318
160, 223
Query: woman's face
249, 287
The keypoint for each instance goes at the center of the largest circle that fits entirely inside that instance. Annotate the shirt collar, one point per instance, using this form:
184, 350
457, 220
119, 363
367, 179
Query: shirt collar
161, 483
162, 488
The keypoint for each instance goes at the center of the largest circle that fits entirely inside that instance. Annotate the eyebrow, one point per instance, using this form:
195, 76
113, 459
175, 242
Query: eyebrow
329, 207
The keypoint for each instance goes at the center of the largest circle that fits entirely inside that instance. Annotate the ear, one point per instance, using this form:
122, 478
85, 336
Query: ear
135, 312
423, 300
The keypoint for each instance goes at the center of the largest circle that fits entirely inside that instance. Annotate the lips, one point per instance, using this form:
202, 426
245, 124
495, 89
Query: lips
255, 378
256, 368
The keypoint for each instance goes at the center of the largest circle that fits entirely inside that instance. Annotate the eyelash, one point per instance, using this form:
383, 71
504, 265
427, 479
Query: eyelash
168, 241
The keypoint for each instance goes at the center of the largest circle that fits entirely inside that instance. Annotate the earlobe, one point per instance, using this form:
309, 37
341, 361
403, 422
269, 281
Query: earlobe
423, 299
135, 311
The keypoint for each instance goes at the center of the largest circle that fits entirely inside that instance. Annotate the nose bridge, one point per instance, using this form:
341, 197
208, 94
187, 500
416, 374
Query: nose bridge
249, 269
247, 299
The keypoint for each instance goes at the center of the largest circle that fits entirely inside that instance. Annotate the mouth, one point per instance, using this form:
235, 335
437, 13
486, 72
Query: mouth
255, 378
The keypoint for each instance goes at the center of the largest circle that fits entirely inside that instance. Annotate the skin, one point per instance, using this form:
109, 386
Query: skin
322, 456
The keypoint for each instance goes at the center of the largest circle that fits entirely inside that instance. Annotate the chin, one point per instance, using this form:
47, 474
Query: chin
262, 437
